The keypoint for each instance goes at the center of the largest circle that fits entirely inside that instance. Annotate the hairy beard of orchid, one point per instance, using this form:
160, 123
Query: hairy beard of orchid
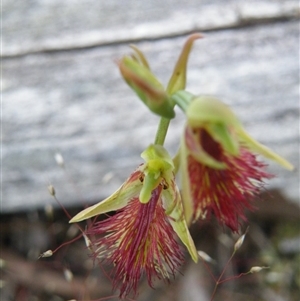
138, 240
224, 192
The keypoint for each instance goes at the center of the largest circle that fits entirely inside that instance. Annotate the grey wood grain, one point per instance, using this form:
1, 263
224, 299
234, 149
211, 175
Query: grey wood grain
76, 103
45, 26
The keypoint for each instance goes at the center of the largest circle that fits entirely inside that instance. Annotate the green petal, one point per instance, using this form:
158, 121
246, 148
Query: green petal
263, 150
174, 209
116, 201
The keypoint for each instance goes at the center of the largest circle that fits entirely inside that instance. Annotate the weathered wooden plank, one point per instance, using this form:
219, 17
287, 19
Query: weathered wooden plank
76, 103
55, 25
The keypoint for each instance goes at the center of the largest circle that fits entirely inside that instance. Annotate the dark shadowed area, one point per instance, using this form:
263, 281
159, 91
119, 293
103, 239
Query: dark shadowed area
62, 93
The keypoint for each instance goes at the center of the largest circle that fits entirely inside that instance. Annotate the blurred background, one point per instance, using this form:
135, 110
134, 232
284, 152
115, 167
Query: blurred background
63, 94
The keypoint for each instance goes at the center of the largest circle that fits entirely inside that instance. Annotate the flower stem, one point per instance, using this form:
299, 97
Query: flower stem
162, 131
180, 98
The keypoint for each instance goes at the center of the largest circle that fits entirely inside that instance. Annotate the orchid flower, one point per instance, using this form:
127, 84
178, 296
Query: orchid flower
220, 171
141, 237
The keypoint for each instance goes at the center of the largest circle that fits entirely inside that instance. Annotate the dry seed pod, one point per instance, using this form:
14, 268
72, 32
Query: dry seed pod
257, 269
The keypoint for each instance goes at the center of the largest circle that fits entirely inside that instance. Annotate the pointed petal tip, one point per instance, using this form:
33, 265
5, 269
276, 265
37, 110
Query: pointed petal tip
196, 36
287, 165
195, 256
277, 158
140, 56
263, 150
178, 78
82, 215
74, 219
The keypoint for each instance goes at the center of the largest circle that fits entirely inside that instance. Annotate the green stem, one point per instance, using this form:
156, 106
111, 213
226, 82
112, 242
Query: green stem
162, 131
182, 99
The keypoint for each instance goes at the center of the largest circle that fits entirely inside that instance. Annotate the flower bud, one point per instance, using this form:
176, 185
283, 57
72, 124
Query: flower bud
147, 87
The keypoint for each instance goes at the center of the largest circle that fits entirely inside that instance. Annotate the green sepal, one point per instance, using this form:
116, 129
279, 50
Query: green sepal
262, 149
207, 109
174, 210
116, 201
